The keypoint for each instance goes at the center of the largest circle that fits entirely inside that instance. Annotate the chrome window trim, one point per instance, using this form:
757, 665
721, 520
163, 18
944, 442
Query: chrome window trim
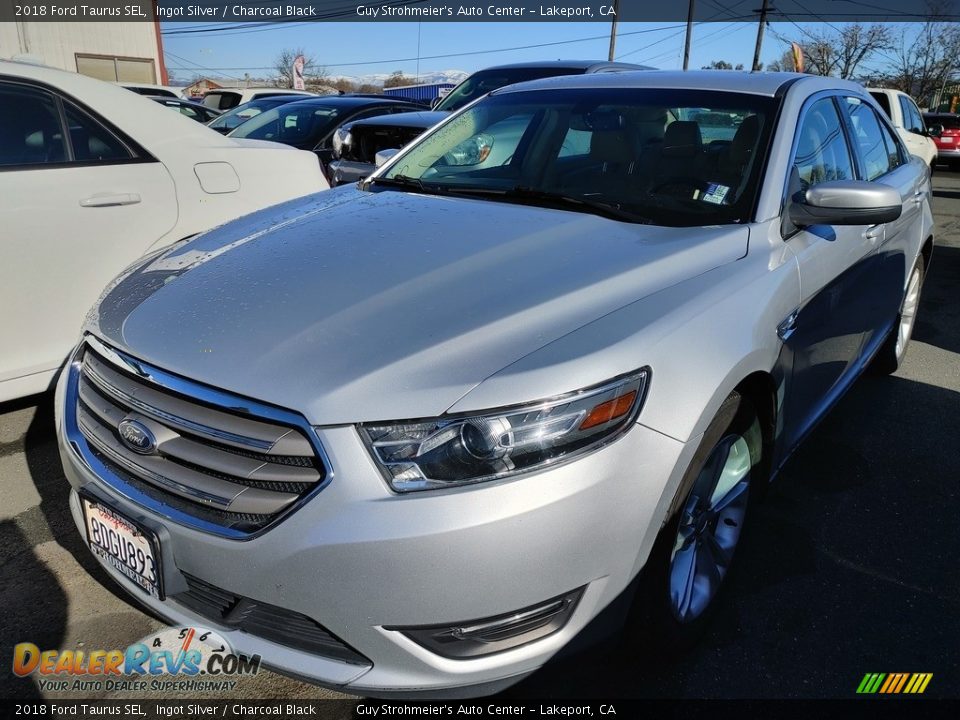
219, 399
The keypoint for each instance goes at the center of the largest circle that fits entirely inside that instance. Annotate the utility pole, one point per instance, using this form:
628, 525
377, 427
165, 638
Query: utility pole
613, 29
763, 25
686, 45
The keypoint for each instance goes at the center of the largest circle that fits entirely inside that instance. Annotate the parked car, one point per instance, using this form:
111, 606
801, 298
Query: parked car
228, 98
93, 177
416, 434
194, 111
310, 124
234, 118
907, 119
154, 90
356, 144
948, 137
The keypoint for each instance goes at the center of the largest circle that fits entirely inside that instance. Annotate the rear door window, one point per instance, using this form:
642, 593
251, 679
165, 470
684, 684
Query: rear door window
30, 129
873, 145
911, 115
91, 141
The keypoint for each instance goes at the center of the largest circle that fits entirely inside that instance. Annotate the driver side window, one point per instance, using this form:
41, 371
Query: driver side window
822, 153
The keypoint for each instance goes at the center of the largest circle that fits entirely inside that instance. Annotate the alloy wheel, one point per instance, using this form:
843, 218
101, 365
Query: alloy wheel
710, 525
908, 314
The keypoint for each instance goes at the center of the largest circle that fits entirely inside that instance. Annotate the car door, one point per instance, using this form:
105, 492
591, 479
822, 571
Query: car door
81, 201
825, 335
883, 158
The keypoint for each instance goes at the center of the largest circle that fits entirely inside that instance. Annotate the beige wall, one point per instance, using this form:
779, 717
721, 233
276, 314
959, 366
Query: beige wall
56, 43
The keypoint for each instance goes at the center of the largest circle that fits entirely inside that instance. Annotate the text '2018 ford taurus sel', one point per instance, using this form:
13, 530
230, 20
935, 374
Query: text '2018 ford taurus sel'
424, 430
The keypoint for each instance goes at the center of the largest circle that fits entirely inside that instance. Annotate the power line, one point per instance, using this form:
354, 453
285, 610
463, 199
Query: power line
447, 55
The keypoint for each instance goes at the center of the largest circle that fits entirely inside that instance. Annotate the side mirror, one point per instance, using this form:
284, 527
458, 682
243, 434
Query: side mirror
384, 155
934, 131
845, 202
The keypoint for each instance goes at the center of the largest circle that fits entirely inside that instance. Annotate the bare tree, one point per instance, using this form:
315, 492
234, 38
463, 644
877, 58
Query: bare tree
283, 67
923, 64
722, 65
783, 64
369, 89
841, 53
397, 78
344, 85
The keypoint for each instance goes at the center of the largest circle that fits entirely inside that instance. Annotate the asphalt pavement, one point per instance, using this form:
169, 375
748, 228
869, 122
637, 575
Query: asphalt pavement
849, 566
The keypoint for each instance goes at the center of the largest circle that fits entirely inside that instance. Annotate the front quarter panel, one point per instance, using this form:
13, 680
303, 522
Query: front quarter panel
701, 337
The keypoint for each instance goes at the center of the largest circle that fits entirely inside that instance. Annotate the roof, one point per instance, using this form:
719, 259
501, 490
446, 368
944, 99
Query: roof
353, 100
754, 83
144, 120
425, 119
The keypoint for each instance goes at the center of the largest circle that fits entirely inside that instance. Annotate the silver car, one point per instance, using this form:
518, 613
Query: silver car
417, 435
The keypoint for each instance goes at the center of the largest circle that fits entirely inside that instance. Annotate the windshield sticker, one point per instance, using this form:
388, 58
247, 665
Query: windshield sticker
715, 193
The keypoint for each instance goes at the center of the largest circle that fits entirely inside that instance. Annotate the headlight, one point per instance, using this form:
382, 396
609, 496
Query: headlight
341, 141
453, 451
471, 151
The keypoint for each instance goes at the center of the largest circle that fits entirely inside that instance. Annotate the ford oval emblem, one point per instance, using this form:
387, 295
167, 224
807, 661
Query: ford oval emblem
137, 436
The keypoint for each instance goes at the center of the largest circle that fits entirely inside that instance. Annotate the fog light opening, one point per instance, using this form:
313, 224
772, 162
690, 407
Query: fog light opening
486, 636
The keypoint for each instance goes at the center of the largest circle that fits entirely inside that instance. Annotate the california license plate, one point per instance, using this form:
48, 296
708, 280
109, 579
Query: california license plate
123, 545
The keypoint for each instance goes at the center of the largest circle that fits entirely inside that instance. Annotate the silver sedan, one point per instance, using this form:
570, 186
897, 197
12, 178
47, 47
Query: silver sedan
418, 434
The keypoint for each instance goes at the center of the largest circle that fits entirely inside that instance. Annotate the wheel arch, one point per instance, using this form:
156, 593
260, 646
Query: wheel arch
926, 252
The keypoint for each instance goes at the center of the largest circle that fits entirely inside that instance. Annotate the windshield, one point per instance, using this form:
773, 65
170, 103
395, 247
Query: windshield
240, 114
673, 157
480, 83
299, 124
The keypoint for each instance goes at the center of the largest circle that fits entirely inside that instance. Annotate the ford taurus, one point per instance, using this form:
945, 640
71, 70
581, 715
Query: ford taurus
416, 434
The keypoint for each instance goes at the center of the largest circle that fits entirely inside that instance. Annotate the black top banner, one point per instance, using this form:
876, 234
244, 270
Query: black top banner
806, 11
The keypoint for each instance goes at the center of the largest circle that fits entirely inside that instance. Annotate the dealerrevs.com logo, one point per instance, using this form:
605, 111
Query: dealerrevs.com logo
176, 659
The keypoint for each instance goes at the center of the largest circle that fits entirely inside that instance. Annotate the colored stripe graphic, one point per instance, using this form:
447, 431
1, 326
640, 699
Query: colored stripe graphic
894, 683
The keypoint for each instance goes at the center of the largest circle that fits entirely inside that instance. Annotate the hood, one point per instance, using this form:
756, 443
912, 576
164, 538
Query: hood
425, 119
352, 306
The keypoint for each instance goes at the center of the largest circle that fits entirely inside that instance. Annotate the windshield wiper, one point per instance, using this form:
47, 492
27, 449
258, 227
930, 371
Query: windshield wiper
405, 181
604, 208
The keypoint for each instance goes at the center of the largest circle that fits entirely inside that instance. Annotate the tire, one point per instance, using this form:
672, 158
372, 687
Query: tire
674, 606
894, 349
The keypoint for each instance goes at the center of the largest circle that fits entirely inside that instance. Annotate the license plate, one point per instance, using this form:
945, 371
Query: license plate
124, 545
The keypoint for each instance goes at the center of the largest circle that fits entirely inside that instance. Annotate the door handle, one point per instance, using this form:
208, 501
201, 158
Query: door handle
874, 232
918, 196
110, 200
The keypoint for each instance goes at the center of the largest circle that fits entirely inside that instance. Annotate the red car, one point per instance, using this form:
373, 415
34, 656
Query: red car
948, 144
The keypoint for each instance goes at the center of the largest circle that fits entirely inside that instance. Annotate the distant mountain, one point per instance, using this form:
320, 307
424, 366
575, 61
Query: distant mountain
428, 77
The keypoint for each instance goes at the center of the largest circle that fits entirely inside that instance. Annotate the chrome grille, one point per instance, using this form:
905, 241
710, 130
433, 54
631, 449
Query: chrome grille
226, 467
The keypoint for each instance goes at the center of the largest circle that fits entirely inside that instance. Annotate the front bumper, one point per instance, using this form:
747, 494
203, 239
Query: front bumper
358, 559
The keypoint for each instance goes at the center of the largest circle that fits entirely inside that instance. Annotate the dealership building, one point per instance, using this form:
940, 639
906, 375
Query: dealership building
113, 51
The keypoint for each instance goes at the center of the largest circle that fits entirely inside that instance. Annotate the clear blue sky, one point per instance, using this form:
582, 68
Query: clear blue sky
339, 46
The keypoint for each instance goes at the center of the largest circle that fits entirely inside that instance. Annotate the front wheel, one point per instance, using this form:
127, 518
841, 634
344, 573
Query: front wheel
693, 554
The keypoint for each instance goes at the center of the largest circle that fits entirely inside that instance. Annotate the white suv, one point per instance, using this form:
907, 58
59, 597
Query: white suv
908, 122
227, 99
92, 177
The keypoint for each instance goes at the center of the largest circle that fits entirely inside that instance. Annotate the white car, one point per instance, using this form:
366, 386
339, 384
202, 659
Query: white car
228, 98
907, 121
92, 177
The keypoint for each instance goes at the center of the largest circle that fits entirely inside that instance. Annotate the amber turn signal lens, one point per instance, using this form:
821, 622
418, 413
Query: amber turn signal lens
609, 410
